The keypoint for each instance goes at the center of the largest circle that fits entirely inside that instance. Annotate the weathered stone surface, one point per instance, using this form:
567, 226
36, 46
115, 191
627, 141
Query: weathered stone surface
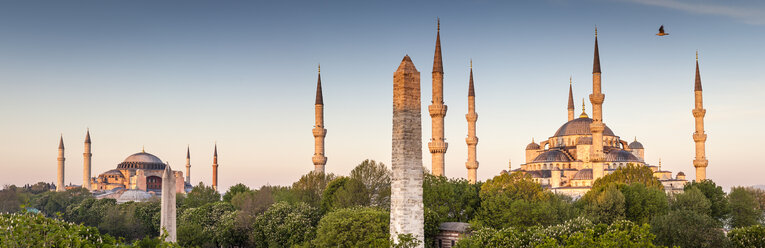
406, 210
167, 209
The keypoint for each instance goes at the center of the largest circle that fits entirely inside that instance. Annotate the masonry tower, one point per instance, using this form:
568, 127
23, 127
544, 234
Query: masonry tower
471, 140
60, 187
570, 101
699, 136
86, 160
167, 207
406, 206
437, 109
215, 169
596, 98
319, 132
188, 165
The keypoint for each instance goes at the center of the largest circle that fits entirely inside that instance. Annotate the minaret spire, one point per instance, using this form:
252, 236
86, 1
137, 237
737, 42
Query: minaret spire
215, 168
699, 137
437, 109
60, 187
471, 140
319, 132
570, 100
188, 164
596, 98
86, 161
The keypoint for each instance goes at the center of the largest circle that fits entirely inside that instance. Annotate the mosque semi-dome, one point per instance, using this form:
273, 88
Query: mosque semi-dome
635, 145
142, 160
552, 156
579, 126
619, 155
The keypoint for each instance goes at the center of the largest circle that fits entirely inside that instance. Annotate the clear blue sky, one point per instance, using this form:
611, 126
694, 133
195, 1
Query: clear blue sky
173, 73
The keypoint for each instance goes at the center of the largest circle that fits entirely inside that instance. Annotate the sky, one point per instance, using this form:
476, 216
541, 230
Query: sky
170, 74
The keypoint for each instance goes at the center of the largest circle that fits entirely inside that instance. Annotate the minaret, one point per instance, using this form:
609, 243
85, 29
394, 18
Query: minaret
215, 169
597, 126
188, 165
86, 159
570, 101
319, 132
699, 136
60, 180
471, 140
167, 207
437, 109
406, 206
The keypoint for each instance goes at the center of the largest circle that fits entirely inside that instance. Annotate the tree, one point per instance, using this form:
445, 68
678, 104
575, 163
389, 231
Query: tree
720, 208
234, 190
447, 200
643, 203
254, 202
606, 206
9, 199
685, 228
310, 187
200, 195
285, 225
344, 192
628, 175
376, 177
692, 200
745, 208
751, 236
35, 230
201, 226
353, 227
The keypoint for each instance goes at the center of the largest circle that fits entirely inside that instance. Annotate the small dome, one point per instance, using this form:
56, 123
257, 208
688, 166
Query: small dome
532, 146
635, 145
134, 195
619, 155
579, 126
552, 156
584, 174
681, 174
112, 172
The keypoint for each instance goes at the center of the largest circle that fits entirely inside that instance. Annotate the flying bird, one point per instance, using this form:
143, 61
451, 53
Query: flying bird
661, 31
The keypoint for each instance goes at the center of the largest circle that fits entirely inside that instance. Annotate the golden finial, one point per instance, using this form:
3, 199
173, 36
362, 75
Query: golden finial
319, 67
697, 54
143, 149
635, 138
569, 79
438, 20
584, 113
532, 139
471, 64
596, 31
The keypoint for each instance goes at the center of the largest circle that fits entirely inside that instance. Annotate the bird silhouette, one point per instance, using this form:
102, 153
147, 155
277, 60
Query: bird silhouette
661, 31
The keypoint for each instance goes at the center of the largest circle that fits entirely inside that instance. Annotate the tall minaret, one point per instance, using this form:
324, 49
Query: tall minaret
471, 140
699, 136
570, 101
188, 165
60, 180
86, 159
437, 109
215, 169
597, 126
407, 214
319, 132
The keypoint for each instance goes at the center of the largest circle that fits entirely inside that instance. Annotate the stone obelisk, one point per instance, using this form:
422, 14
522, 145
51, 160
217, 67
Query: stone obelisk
406, 206
167, 209
60, 187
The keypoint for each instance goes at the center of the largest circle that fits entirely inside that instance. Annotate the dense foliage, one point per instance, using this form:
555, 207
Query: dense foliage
353, 227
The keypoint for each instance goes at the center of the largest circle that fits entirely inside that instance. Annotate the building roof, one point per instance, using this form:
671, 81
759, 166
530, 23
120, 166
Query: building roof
619, 155
112, 172
596, 58
552, 156
635, 145
406, 65
319, 96
142, 160
143, 157
579, 126
134, 196
454, 226
540, 174
698, 75
471, 90
583, 174
532, 146
438, 65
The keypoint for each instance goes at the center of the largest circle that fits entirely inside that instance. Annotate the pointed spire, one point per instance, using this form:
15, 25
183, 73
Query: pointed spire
596, 59
471, 90
215, 153
87, 136
584, 112
319, 96
438, 65
570, 95
406, 64
61, 142
188, 152
698, 75
143, 149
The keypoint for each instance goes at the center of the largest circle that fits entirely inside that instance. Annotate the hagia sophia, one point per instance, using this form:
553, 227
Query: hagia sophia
581, 151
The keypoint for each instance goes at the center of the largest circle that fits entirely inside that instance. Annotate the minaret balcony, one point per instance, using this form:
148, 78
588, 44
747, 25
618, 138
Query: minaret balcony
699, 137
699, 113
471, 165
471, 117
597, 98
437, 146
700, 162
319, 132
471, 141
319, 159
597, 127
437, 110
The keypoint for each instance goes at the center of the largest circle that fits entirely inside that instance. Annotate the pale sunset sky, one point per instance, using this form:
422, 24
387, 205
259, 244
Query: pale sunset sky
167, 74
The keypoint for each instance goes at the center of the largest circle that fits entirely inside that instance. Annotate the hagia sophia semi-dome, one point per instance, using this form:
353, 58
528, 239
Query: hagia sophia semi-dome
579, 126
142, 160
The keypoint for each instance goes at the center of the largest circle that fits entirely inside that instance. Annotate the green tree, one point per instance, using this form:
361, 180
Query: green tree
200, 195
692, 200
35, 230
719, 203
310, 187
606, 206
447, 200
52, 202
745, 208
285, 225
9, 199
642, 203
234, 190
353, 227
376, 177
254, 202
344, 192
751, 236
201, 226
628, 175
685, 228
